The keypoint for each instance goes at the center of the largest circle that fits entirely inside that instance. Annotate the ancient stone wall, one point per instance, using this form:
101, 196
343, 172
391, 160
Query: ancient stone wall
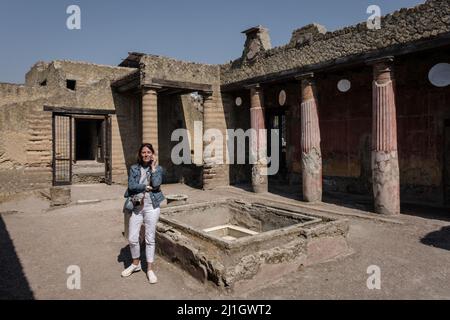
26, 129
346, 127
346, 130
422, 109
57, 72
174, 70
126, 134
20, 93
401, 27
45, 74
25, 146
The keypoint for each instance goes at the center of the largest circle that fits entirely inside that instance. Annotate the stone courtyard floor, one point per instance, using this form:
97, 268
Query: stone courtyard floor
37, 245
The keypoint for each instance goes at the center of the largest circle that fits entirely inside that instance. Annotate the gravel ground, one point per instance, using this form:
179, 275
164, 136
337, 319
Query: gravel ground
38, 244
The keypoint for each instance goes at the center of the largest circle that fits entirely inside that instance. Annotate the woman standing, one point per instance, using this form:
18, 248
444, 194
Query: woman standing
144, 183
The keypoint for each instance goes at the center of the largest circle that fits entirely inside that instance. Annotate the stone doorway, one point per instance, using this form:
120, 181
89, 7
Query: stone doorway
276, 119
88, 140
81, 148
90, 149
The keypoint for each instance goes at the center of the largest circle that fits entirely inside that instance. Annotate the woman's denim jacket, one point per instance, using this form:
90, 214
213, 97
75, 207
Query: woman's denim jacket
134, 187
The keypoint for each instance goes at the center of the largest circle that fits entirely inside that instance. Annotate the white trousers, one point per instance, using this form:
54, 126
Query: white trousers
149, 217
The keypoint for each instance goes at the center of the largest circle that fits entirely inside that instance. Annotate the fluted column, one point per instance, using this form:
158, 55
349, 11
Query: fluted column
385, 168
259, 141
150, 117
310, 141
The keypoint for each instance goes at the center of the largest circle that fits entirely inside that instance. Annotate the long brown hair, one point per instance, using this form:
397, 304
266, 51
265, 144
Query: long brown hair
144, 145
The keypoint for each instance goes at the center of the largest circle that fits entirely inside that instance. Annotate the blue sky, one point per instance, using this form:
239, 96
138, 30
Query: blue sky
205, 31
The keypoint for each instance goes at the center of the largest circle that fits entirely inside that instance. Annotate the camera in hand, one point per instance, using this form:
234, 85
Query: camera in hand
137, 202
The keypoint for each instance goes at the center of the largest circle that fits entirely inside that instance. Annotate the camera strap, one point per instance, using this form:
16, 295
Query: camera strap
144, 178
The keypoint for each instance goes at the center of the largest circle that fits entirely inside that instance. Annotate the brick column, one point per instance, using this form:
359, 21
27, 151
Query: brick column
259, 141
385, 169
213, 173
208, 165
310, 141
150, 117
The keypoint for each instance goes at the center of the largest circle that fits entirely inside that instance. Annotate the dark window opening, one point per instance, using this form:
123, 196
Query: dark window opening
71, 84
277, 120
44, 83
89, 140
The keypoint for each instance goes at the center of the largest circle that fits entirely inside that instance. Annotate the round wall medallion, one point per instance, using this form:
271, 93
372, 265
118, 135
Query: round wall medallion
282, 98
344, 85
238, 101
439, 75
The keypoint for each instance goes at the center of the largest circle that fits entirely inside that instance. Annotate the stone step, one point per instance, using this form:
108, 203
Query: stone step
39, 119
39, 134
212, 177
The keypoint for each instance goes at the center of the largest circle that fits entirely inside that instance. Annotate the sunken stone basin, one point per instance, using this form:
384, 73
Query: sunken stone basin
236, 244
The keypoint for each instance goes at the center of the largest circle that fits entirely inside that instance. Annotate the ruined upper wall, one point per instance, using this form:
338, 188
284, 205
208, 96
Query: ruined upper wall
157, 67
93, 89
404, 26
57, 72
10, 93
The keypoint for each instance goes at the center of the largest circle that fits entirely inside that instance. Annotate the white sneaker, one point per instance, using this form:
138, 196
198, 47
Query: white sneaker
130, 270
152, 277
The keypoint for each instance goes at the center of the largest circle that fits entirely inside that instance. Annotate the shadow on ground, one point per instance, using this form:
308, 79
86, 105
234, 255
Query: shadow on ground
426, 212
125, 258
274, 188
350, 201
13, 283
243, 186
438, 239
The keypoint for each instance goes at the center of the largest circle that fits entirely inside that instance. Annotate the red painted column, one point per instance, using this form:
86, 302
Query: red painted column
259, 141
310, 138
385, 168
